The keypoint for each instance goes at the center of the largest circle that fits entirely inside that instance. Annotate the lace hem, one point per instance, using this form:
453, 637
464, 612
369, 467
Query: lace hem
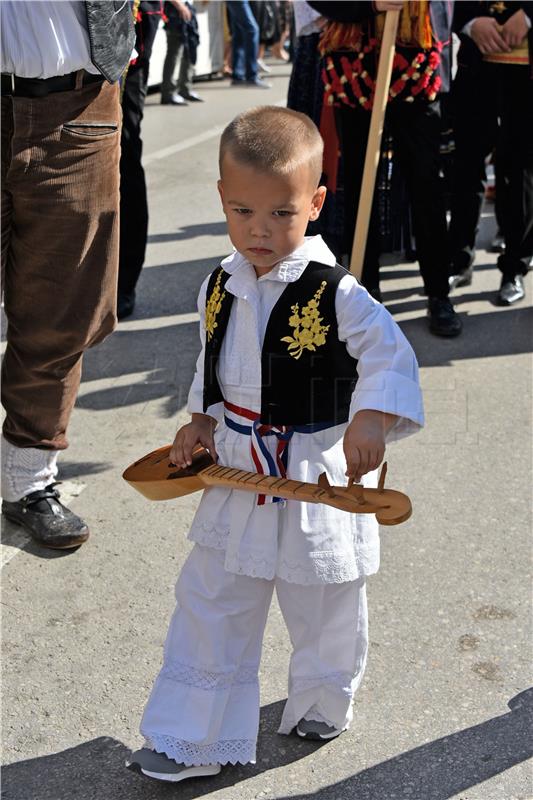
320, 568
226, 751
209, 680
209, 535
342, 681
326, 569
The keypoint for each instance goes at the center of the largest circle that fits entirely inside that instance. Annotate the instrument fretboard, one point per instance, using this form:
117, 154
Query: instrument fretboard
262, 484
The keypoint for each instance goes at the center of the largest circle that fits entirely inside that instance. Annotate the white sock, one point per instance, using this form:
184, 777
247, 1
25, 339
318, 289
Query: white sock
25, 470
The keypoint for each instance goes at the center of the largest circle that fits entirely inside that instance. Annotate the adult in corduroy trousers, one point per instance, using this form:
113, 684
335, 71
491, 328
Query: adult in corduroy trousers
61, 62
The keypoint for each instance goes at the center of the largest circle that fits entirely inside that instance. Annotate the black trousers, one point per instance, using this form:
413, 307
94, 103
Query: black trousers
416, 130
133, 198
493, 107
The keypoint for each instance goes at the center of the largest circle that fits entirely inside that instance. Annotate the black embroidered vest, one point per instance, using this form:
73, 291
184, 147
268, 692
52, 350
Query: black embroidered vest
307, 374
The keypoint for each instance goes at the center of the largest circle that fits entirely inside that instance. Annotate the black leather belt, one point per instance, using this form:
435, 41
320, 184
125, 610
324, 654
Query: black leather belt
40, 87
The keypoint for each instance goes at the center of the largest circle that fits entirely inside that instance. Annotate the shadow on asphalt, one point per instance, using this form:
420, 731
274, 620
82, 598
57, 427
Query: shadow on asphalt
161, 360
443, 768
95, 770
435, 771
496, 333
190, 232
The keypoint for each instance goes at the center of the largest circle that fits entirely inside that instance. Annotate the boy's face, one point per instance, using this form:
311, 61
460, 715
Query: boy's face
267, 214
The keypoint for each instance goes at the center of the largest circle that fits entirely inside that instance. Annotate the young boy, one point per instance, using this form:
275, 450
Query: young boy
301, 372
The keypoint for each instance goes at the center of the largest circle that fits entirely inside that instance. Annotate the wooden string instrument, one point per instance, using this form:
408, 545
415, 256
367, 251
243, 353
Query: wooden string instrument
155, 477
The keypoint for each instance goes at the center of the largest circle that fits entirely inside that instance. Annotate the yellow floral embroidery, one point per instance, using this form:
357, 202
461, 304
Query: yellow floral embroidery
214, 304
309, 333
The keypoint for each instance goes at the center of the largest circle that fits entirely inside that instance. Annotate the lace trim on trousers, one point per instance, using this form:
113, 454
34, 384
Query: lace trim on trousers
210, 680
342, 681
228, 751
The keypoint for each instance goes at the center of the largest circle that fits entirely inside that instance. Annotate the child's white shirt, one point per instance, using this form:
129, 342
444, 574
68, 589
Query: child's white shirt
299, 542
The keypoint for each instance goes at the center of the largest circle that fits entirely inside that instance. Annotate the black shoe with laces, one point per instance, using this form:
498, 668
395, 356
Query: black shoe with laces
48, 521
443, 321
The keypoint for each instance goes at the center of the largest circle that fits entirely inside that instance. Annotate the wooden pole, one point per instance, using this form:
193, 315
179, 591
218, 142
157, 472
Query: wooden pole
373, 147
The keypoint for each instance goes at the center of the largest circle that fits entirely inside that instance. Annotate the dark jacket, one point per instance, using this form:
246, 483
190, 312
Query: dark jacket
111, 36
469, 54
364, 11
187, 29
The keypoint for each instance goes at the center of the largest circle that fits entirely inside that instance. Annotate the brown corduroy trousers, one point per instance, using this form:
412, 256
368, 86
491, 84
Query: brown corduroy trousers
60, 217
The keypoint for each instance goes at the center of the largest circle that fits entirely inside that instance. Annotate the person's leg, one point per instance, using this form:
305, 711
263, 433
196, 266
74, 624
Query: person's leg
237, 41
174, 46
61, 260
185, 76
515, 158
133, 196
246, 47
28, 469
475, 132
328, 628
353, 127
204, 707
416, 129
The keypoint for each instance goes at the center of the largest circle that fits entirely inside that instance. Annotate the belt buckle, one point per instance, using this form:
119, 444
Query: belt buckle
13, 82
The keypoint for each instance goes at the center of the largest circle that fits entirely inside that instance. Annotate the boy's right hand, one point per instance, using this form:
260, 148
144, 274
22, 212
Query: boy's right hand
199, 430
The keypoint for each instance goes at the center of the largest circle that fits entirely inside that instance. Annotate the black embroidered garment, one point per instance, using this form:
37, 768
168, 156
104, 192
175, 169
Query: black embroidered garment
307, 375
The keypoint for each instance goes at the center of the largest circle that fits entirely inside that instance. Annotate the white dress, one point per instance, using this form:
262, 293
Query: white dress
299, 542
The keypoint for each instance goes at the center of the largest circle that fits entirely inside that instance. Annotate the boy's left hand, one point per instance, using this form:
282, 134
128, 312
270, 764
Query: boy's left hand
364, 442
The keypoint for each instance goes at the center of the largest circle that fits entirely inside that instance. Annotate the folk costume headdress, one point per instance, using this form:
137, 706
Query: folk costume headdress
349, 63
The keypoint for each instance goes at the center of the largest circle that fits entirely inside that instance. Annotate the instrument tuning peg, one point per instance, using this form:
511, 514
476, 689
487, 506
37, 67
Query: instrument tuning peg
325, 484
382, 474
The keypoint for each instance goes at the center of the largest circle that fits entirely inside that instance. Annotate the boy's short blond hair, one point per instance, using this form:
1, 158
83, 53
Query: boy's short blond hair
274, 140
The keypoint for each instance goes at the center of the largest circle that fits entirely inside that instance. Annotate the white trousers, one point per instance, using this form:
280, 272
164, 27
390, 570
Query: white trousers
204, 707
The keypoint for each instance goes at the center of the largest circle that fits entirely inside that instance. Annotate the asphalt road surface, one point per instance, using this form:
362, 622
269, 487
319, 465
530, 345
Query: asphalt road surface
444, 708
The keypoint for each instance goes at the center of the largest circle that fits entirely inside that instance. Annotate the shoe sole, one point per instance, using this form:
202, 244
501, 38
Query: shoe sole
507, 303
315, 737
16, 521
168, 777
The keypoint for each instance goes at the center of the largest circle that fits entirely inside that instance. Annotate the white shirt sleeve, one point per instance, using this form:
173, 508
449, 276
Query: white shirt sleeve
195, 403
387, 368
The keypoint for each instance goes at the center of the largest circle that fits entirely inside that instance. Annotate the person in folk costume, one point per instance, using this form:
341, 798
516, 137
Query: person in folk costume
350, 46
493, 102
301, 371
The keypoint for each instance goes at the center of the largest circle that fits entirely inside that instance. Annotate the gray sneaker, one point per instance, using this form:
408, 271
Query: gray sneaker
162, 768
311, 729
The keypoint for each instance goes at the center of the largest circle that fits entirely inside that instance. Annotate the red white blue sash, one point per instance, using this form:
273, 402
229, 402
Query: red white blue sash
247, 422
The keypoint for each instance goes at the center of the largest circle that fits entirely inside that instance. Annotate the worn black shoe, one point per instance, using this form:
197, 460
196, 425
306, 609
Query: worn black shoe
125, 305
511, 290
48, 521
443, 321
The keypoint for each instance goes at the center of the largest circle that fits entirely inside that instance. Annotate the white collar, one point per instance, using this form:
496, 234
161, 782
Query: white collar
287, 271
